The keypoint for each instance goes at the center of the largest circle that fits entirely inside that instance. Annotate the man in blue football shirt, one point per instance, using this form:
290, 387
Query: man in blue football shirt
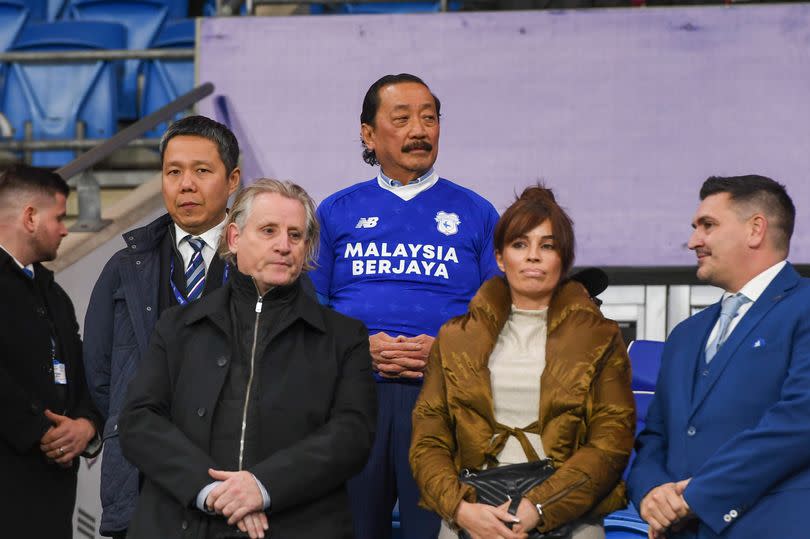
402, 252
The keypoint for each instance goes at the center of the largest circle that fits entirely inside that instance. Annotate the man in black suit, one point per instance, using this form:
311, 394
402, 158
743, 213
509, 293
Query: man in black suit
47, 418
254, 404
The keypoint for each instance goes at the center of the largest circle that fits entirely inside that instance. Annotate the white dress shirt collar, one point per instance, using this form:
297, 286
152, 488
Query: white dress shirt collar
753, 289
756, 286
210, 237
413, 188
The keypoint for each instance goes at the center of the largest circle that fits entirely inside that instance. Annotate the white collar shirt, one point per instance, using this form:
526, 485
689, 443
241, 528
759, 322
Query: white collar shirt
413, 188
210, 237
753, 289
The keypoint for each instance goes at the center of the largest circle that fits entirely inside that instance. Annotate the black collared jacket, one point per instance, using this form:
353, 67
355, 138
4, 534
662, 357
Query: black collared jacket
32, 312
317, 414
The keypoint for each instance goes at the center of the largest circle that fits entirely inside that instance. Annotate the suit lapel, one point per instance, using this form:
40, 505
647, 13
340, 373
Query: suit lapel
780, 287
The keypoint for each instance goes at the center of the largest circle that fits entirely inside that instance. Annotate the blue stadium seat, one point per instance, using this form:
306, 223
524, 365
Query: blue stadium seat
55, 9
45, 10
623, 529
645, 358
643, 400
166, 80
178, 9
625, 524
144, 20
51, 99
13, 16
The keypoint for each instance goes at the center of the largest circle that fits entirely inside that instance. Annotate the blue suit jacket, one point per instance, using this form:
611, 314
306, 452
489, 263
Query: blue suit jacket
744, 436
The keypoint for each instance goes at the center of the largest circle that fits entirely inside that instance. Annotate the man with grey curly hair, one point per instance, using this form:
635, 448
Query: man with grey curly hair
254, 397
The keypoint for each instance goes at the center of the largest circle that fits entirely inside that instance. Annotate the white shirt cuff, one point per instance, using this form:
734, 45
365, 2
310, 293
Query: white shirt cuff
265, 494
203, 495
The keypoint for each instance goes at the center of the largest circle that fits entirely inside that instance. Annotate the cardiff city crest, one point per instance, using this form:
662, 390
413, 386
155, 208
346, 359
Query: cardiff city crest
447, 223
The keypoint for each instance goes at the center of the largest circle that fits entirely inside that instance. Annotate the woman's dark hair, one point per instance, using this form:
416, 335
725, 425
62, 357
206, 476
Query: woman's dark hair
534, 206
371, 103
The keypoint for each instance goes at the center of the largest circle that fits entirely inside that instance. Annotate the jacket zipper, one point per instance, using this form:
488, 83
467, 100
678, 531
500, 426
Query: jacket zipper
563, 493
250, 381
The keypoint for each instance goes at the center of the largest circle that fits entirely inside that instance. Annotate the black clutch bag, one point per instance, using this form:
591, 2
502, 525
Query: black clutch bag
496, 486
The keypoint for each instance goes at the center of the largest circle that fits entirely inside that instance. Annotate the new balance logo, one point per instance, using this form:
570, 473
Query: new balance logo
367, 222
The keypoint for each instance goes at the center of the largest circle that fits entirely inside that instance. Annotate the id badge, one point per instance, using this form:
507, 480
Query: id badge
59, 373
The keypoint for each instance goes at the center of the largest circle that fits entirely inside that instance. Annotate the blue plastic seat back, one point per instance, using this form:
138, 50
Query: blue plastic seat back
54, 9
53, 97
625, 524
13, 16
178, 9
144, 20
44, 10
620, 529
166, 80
645, 358
643, 399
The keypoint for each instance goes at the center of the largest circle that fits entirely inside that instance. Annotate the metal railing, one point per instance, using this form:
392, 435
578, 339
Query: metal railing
87, 187
99, 55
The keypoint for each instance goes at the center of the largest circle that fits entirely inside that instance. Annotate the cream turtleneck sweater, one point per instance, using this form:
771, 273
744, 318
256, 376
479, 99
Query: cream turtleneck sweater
516, 364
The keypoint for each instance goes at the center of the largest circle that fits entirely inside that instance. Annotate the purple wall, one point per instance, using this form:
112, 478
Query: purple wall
623, 112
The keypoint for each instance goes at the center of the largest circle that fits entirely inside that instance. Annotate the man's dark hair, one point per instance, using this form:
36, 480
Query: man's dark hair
25, 178
371, 103
200, 126
764, 194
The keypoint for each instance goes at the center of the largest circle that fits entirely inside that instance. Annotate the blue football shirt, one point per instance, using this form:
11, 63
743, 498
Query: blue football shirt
404, 266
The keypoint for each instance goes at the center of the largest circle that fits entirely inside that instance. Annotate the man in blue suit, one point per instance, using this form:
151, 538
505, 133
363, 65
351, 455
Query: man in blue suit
726, 448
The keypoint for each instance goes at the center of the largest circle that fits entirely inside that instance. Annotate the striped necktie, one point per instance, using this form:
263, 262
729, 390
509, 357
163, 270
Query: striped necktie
728, 312
195, 272
28, 273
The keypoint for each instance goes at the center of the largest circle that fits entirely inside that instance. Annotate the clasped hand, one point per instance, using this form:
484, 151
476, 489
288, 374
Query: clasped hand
238, 499
665, 508
399, 357
66, 439
484, 521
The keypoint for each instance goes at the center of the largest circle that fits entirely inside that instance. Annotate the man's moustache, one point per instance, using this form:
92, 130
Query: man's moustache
417, 146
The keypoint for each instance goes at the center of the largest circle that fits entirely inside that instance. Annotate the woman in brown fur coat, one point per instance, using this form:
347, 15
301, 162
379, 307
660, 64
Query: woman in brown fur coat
533, 370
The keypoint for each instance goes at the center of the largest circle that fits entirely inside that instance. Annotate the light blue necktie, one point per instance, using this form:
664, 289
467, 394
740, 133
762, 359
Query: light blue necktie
728, 312
195, 273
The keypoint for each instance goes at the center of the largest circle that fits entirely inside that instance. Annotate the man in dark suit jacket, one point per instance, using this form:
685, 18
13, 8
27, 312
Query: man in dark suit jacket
47, 418
725, 448
254, 404
199, 172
